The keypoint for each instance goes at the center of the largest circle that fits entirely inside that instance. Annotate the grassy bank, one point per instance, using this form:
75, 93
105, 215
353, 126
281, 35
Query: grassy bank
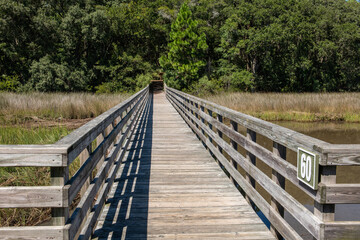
27, 176
39, 118
305, 107
23, 108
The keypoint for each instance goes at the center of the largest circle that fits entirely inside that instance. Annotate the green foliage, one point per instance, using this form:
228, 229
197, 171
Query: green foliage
238, 81
295, 45
143, 80
185, 58
41, 135
47, 75
257, 45
205, 86
122, 71
108, 87
9, 83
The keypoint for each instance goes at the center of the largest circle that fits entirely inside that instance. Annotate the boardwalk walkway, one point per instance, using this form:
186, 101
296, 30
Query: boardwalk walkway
169, 187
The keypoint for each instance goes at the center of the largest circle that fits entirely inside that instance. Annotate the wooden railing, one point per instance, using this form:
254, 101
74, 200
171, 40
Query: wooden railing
223, 140
100, 145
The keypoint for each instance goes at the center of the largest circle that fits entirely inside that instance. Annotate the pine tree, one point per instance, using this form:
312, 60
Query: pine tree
187, 47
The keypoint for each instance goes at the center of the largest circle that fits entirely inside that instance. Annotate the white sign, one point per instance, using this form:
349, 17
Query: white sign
308, 168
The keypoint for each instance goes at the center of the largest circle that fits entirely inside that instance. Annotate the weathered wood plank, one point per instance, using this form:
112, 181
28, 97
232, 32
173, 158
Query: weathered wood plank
77, 181
340, 193
33, 149
26, 197
284, 136
86, 202
281, 225
36, 232
83, 136
342, 154
59, 176
172, 190
31, 160
93, 216
306, 218
349, 230
280, 151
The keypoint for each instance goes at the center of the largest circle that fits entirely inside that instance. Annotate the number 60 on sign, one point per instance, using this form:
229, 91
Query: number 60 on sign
307, 168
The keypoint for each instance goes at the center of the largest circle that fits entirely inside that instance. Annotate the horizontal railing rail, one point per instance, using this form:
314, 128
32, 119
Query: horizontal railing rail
223, 140
99, 145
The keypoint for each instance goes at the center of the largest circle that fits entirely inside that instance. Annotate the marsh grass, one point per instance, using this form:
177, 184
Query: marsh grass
27, 176
19, 113
308, 107
38, 135
19, 108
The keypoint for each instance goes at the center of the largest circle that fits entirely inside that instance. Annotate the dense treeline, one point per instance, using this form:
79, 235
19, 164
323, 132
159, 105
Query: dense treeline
247, 45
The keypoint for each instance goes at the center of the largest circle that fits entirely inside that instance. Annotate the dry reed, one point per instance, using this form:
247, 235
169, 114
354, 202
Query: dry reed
294, 106
24, 109
20, 107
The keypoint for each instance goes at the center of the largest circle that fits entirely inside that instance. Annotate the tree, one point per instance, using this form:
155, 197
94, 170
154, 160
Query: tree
187, 47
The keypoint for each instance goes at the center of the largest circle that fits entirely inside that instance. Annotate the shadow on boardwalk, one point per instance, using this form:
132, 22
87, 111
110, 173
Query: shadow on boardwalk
127, 213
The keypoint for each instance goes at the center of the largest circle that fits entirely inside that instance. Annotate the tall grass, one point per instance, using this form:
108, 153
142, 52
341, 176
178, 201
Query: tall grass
18, 112
19, 108
39, 135
27, 176
294, 106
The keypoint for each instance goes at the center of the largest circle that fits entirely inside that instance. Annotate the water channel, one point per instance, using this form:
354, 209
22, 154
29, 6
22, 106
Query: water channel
336, 133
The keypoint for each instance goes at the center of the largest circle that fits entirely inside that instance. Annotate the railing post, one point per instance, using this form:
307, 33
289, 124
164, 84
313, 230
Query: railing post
84, 155
210, 125
99, 139
189, 110
280, 151
197, 115
251, 135
192, 113
325, 212
234, 126
202, 119
59, 177
220, 119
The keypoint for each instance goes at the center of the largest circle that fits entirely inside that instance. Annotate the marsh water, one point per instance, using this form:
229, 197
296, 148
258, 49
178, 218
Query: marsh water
336, 133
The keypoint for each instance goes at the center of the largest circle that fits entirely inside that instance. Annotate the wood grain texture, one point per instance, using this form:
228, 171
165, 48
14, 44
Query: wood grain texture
155, 179
79, 139
36, 232
284, 136
31, 160
342, 230
284, 168
167, 189
305, 217
77, 181
341, 193
24, 197
281, 225
33, 149
86, 202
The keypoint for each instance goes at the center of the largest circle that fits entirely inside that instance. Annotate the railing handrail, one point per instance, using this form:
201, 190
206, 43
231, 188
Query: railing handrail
198, 113
67, 143
287, 137
94, 127
100, 145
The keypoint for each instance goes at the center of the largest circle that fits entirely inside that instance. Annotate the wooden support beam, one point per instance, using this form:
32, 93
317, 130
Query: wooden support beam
280, 151
251, 135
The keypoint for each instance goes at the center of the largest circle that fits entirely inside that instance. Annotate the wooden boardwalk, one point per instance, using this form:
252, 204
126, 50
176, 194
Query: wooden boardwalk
144, 174
169, 187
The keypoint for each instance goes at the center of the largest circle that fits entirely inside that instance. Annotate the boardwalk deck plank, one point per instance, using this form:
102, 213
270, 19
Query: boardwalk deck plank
169, 187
